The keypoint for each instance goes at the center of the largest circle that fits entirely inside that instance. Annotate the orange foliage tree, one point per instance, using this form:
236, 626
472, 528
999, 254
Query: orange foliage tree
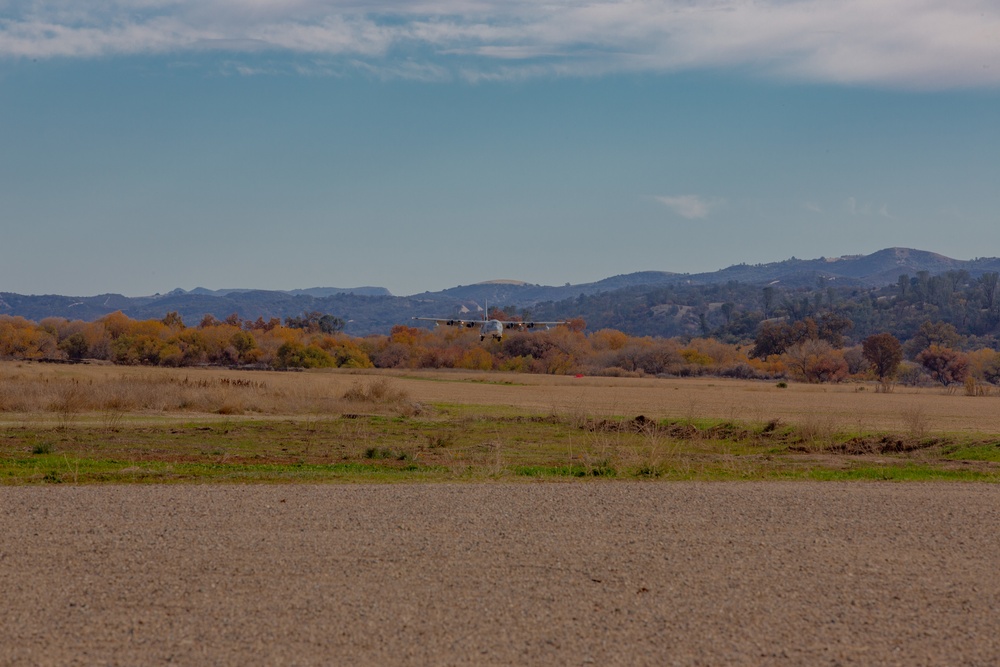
806, 354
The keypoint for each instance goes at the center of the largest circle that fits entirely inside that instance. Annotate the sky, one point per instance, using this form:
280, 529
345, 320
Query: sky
147, 145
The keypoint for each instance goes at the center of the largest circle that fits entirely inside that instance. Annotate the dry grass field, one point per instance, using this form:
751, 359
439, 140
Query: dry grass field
50, 391
848, 406
93, 423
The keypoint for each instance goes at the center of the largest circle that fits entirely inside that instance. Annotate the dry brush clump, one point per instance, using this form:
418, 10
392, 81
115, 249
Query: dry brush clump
974, 387
816, 432
376, 391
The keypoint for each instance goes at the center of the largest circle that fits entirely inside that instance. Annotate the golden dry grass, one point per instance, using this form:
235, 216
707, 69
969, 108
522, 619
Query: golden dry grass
841, 407
101, 423
52, 392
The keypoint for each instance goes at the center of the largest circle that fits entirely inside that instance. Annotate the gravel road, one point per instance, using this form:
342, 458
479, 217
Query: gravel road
484, 574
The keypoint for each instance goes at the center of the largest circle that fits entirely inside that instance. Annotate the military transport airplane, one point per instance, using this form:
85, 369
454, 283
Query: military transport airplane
487, 326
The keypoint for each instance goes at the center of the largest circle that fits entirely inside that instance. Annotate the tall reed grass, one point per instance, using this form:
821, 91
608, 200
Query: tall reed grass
113, 392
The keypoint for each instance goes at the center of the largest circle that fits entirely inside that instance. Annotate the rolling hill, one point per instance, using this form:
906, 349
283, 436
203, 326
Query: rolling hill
374, 310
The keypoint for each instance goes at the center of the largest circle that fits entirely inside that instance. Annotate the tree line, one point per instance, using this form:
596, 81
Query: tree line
820, 348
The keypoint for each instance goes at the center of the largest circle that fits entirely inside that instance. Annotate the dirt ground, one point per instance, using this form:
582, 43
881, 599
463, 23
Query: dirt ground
584, 573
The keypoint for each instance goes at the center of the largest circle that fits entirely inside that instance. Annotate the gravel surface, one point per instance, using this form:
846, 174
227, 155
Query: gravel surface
584, 573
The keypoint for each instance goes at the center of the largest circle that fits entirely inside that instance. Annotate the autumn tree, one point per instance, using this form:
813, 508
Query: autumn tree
173, 320
345, 351
75, 346
476, 358
297, 355
815, 360
21, 338
771, 339
833, 328
884, 353
944, 364
991, 369
260, 325
776, 337
316, 322
659, 358
245, 345
608, 339
116, 324
940, 334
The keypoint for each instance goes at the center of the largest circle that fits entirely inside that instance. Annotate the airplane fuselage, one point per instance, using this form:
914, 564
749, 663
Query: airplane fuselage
491, 328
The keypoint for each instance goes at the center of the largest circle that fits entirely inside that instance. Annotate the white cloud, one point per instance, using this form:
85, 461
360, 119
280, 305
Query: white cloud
854, 207
692, 207
899, 43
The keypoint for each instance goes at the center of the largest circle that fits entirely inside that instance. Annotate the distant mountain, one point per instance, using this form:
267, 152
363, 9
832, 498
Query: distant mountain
879, 268
375, 310
85, 308
318, 292
875, 270
520, 294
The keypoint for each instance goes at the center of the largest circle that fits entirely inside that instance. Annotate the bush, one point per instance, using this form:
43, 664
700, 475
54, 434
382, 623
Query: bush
43, 448
741, 371
296, 355
379, 390
616, 372
379, 453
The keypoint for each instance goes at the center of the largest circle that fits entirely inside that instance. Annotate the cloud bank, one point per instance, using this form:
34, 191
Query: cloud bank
916, 44
692, 207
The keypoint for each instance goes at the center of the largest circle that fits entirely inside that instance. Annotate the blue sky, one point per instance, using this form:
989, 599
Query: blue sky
153, 144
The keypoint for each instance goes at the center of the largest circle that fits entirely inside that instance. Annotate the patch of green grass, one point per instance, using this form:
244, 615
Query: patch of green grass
550, 471
973, 452
477, 444
907, 472
84, 471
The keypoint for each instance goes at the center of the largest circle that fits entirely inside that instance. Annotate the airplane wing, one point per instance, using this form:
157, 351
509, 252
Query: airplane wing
450, 321
529, 324
506, 324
